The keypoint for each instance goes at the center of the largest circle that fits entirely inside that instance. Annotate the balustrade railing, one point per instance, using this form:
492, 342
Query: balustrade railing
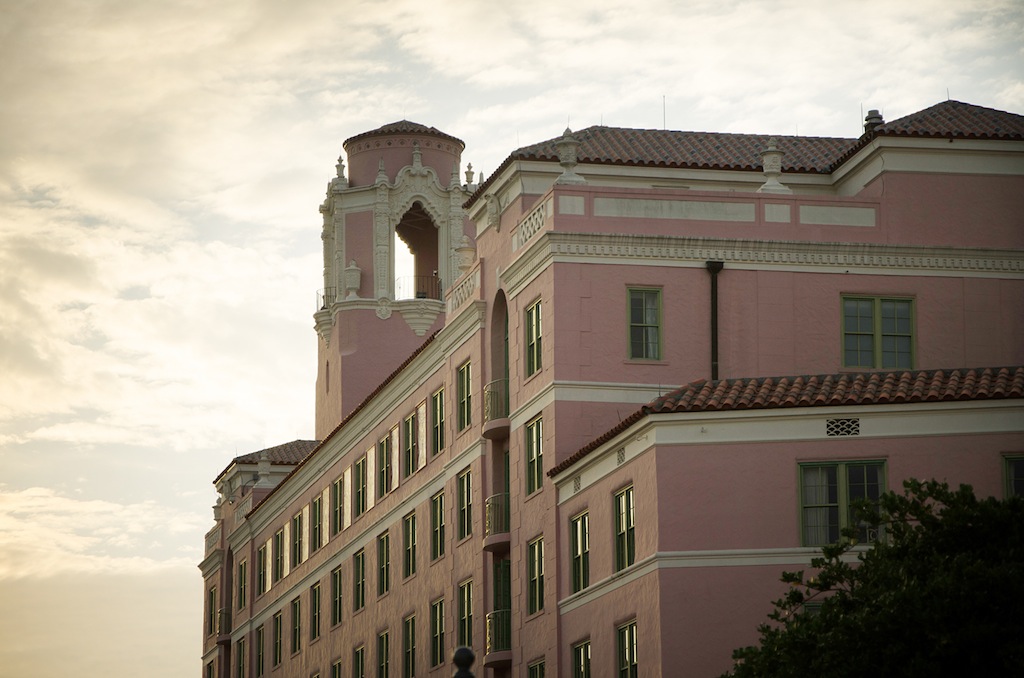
326, 297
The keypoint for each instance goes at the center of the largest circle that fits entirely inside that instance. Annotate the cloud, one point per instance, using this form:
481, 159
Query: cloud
44, 534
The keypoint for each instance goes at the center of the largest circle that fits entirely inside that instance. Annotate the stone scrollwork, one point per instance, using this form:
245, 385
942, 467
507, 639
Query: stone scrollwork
383, 308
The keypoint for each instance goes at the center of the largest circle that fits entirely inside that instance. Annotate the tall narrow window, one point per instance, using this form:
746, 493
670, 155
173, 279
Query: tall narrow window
465, 497
535, 576
535, 669
359, 486
261, 570
1014, 477
533, 339
437, 421
627, 650
296, 539
278, 555
359, 662
625, 539
829, 491
337, 510
358, 580
278, 631
383, 655
437, 632
409, 647
296, 625
645, 324
437, 526
336, 669
383, 466
336, 596
243, 581
211, 610
409, 545
260, 649
878, 332
534, 455
383, 564
464, 390
240, 658
465, 630
579, 545
581, 660
410, 449
314, 611
316, 524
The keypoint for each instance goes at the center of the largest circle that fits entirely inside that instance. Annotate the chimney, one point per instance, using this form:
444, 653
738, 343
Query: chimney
873, 120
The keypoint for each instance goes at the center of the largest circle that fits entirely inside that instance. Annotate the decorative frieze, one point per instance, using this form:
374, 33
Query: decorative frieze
531, 224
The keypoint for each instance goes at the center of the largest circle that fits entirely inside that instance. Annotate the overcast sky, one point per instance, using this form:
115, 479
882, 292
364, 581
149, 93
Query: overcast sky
161, 165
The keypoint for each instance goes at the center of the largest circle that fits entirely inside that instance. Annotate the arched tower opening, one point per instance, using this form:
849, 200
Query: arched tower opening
417, 232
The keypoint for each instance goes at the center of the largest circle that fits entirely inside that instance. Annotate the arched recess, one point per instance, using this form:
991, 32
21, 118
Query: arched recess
420, 234
499, 353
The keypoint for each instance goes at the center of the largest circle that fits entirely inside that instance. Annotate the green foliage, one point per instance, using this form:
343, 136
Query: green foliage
941, 593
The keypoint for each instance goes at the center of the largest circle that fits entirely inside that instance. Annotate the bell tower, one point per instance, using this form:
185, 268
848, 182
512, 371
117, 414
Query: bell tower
403, 183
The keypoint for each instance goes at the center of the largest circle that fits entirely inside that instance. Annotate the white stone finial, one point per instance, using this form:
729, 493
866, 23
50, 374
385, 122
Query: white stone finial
771, 162
567, 147
469, 174
466, 253
353, 275
382, 174
263, 470
417, 155
339, 182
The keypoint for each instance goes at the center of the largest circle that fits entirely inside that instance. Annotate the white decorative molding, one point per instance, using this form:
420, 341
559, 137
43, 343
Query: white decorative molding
463, 291
419, 314
531, 224
384, 308
863, 258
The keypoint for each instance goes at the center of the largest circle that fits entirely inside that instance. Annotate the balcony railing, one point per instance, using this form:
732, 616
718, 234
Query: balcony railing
496, 400
496, 515
418, 287
499, 631
326, 297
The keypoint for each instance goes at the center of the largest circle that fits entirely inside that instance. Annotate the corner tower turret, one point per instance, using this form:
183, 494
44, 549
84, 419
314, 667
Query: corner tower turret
403, 182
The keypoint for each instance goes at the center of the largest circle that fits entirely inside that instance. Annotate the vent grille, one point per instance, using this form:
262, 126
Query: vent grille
838, 428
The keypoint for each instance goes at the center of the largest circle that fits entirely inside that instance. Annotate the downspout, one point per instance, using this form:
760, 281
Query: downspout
714, 267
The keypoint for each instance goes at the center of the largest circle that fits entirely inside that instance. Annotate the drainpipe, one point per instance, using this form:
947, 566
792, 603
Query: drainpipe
714, 267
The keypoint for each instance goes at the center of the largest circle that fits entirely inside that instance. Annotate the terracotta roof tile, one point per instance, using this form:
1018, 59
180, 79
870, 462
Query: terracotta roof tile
955, 119
288, 453
403, 127
860, 388
697, 150
727, 151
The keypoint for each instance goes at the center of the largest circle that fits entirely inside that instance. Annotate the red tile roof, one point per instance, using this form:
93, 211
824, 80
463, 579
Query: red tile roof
694, 150
404, 127
861, 388
956, 120
726, 151
288, 453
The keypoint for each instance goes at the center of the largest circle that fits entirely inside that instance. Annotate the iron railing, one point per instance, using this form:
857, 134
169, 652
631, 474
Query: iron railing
418, 287
496, 400
496, 515
326, 297
499, 631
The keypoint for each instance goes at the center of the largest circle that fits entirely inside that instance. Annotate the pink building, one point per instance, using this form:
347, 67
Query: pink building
633, 376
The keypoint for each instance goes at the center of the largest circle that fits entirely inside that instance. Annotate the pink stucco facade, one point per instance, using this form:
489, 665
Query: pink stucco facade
526, 347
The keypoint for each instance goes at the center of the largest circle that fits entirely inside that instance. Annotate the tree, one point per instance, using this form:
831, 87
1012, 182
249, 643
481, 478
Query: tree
941, 593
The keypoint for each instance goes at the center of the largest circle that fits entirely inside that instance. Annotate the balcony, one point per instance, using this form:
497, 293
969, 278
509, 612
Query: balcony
496, 410
326, 297
496, 523
418, 287
499, 639
223, 626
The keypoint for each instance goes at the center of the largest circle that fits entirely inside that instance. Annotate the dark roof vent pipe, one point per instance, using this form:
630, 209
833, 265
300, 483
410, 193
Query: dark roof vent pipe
872, 120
